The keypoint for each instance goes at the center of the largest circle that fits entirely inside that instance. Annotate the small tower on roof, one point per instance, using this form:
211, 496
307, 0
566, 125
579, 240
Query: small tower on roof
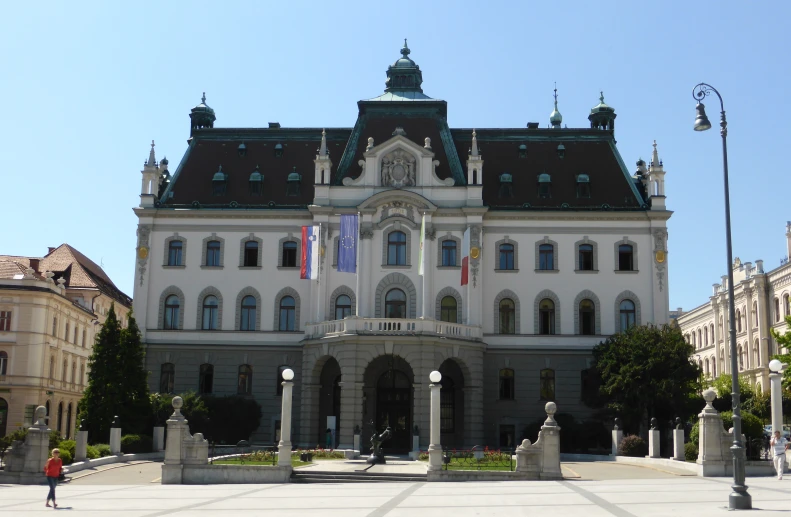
201, 116
474, 163
656, 181
404, 74
149, 189
602, 116
323, 162
555, 118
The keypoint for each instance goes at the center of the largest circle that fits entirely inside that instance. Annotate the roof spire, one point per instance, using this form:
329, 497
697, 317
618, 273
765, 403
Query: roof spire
405, 51
655, 156
152, 161
555, 118
203, 98
323, 148
474, 151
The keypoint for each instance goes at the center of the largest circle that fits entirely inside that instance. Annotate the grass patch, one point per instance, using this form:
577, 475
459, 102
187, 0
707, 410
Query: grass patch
264, 463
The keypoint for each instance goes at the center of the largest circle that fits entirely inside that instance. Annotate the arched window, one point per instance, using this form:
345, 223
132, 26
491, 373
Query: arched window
66, 334
251, 254
507, 316
167, 377
73, 372
741, 358
706, 336
506, 384
396, 249
506, 256
63, 372
172, 308
244, 381
756, 355
343, 307
206, 379
777, 309
213, 253
587, 315
694, 343
289, 254
714, 367
52, 368
395, 304
706, 365
447, 405
175, 253
627, 311
585, 257
448, 252
711, 332
448, 309
82, 375
288, 313
625, 257
787, 304
546, 315
3, 363
755, 317
547, 379
700, 338
248, 318
738, 321
546, 257
210, 312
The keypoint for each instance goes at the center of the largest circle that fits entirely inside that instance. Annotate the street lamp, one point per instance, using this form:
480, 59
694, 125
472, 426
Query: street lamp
739, 499
775, 377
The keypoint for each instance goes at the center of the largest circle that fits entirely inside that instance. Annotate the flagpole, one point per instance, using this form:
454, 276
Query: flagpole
357, 268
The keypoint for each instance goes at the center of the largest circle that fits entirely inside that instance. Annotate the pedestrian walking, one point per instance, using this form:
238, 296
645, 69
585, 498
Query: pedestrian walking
779, 447
52, 470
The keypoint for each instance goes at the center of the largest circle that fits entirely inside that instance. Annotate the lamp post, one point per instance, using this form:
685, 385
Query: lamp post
775, 377
739, 499
284, 447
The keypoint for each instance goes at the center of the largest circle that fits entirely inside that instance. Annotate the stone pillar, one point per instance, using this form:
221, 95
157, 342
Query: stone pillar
654, 440
550, 440
435, 447
776, 401
174, 447
159, 439
81, 449
427, 309
711, 433
617, 436
351, 414
365, 304
678, 441
284, 448
115, 436
36, 448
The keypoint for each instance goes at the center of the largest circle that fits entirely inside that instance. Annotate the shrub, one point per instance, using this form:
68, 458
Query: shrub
66, 457
103, 449
136, 443
634, 446
752, 427
694, 434
423, 456
690, 451
91, 452
67, 445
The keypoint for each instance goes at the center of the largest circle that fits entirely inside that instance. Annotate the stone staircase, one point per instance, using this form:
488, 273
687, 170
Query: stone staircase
314, 476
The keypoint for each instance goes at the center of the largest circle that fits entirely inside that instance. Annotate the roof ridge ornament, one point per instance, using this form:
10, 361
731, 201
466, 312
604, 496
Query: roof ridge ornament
152, 161
555, 118
323, 148
474, 151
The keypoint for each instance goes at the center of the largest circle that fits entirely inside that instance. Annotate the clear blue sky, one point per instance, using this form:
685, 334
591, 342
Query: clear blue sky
86, 86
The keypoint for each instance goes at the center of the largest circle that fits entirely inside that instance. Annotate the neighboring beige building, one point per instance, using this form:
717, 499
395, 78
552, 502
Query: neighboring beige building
50, 311
763, 300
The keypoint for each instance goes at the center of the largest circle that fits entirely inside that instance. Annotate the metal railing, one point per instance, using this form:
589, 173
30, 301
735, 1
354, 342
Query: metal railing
478, 458
244, 452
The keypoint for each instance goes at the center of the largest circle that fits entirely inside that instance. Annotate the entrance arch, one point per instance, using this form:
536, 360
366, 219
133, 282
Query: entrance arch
329, 402
451, 404
388, 401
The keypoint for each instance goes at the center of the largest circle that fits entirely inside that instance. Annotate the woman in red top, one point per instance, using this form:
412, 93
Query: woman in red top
52, 470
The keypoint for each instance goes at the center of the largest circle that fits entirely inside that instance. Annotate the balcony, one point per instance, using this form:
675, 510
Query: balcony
391, 327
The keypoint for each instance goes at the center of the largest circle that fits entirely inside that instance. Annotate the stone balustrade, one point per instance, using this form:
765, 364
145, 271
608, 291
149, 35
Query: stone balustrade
389, 326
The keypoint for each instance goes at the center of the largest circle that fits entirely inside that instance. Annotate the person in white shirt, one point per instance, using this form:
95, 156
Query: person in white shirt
779, 446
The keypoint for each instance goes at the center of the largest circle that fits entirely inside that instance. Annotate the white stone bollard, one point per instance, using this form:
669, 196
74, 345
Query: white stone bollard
549, 439
435, 447
617, 436
115, 436
678, 445
284, 447
356, 441
174, 450
654, 440
159, 439
81, 448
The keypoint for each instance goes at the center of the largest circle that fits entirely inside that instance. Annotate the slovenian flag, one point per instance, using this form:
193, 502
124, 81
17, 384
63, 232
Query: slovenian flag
310, 253
465, 257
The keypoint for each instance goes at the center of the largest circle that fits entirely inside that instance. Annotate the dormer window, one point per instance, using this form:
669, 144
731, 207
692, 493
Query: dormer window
278, 150
506, 186
544, 186
242, 149
523, 151
219, 182
583, 186
561, 151
293, 182
256, 182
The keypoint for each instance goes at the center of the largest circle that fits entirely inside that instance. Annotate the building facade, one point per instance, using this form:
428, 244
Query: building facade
50, 311
566, 247
762, 303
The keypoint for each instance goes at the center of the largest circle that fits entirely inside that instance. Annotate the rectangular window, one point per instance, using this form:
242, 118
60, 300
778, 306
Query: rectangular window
213, 253
507, 256
506, 384
448, 253
507, 435
250, 254
5, 321
289, 254
625, 258
586, 257
546, 257
174, 253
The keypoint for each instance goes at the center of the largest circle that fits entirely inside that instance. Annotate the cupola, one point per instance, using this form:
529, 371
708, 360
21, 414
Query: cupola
201, 116
602, 116
404, 74
555, 118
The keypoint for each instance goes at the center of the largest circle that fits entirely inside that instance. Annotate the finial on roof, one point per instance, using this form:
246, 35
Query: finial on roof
655, 156
474, 151
152, 161
555, 118
203, 98
601, 96
323, 148
405, 51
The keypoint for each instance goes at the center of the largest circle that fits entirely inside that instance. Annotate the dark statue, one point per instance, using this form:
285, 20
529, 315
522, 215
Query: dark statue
377, 455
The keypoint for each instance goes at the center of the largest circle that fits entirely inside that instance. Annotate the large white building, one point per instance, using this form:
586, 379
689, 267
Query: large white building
567, 247
762, 303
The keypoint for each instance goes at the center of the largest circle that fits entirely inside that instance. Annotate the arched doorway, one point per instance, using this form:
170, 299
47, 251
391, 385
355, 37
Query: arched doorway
387, 402
451, 404
3, 416
329, 403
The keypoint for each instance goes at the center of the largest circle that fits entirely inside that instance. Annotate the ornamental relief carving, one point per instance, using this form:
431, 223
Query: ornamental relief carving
398, 169
398, 209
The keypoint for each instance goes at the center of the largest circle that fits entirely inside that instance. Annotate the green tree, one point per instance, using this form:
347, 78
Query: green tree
646, 372
116, 381
784, 341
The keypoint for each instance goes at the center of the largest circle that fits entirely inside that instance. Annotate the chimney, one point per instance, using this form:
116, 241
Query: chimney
50, 250
34, 262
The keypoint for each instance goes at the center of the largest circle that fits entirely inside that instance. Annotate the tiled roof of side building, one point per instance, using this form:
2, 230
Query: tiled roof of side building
10, 269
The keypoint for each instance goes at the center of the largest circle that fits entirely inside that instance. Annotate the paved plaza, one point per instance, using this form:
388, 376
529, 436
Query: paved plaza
590, 490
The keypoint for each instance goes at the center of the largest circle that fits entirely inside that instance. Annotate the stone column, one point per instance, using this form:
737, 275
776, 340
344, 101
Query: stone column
351, 415
284, 448
617, 436
159, 439
654, 440
550, 439
115, 436
775, 388
81, 449
678, 441
174, 450
427, 311
435, 448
